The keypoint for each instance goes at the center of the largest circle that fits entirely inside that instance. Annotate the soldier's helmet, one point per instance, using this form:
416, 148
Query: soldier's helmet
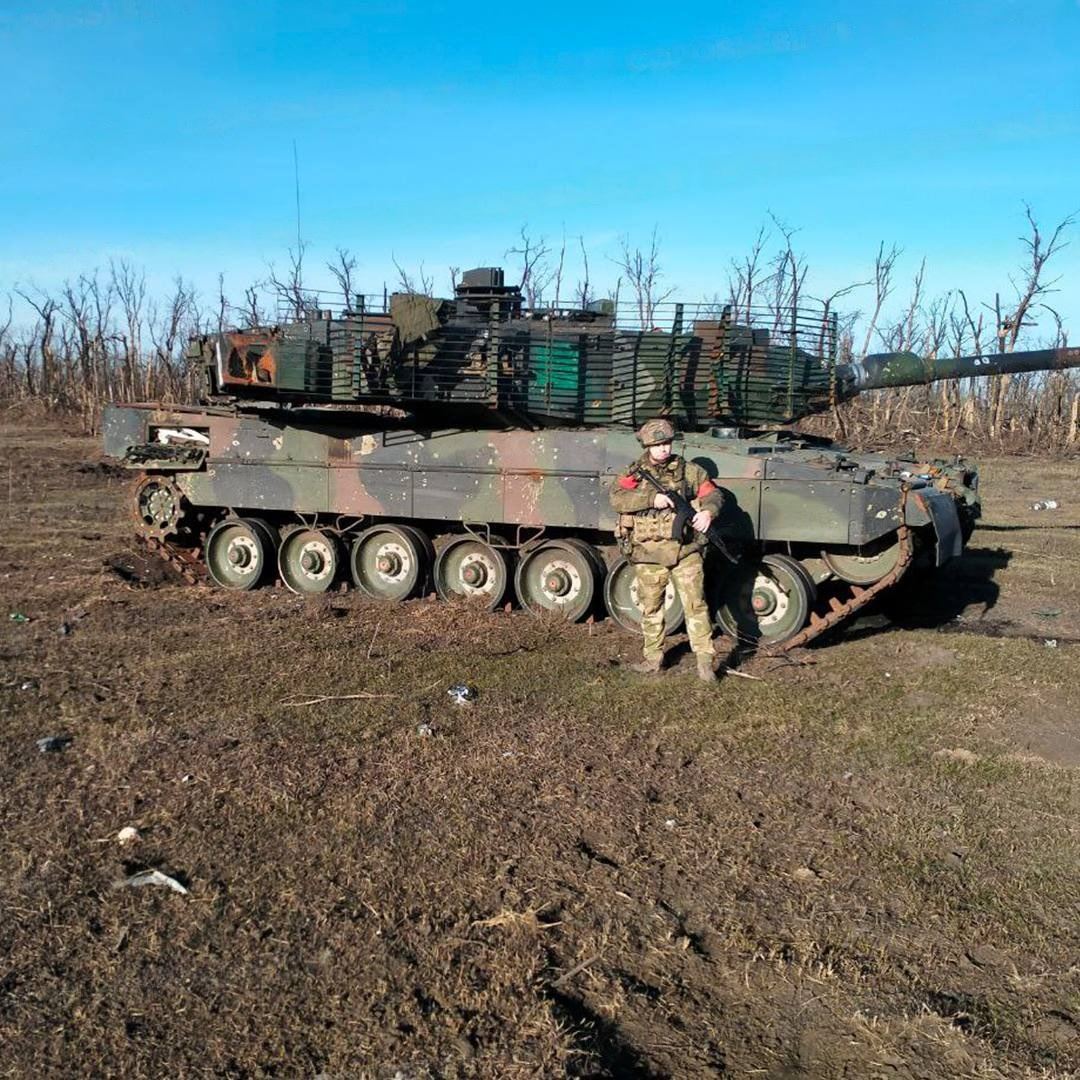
655, 431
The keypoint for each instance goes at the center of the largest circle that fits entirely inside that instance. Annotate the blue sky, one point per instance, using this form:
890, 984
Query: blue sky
164, 134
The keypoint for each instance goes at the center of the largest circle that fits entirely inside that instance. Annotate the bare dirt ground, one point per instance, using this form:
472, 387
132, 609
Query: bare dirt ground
863, 865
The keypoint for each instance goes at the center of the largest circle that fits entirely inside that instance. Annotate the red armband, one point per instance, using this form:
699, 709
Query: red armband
628, 482
706, 489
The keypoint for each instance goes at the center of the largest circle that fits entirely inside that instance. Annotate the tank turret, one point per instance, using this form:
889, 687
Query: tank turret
485, 356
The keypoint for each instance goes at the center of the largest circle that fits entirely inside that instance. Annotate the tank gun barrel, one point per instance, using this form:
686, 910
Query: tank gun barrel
908, 369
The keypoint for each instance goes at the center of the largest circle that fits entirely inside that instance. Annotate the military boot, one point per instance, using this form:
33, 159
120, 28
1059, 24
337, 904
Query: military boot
705, 671
651, 665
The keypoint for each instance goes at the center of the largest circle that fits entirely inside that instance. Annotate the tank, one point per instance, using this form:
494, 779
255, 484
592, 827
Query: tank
467, 445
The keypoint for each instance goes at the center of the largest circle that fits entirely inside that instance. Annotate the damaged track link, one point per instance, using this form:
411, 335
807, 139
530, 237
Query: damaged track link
185, 561
860, 597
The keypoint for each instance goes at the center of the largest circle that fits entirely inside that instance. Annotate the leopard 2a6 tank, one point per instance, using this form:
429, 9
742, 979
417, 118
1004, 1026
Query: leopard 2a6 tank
468, 444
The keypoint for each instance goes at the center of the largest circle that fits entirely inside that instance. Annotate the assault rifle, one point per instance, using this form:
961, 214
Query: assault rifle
684, 514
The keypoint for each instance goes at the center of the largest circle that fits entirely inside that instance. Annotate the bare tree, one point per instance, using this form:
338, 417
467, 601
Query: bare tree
536, 275
289, 288
559, 268
882, 282
583, 290
748, 277
222, 303
252, 314
168, 333
1032, 286
43, 341
643, 272
130, 286
422, 284
8, 357
826, 344
342, 270
784, 286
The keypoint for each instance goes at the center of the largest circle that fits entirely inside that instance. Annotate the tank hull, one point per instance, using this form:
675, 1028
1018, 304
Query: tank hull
344, 472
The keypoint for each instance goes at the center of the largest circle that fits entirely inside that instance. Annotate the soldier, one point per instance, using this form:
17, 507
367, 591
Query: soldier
646, 520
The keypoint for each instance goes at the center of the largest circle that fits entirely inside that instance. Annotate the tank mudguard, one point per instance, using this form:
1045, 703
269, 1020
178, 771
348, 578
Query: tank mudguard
937, 508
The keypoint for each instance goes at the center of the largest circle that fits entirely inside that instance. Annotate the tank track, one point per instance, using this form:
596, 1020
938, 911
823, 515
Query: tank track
860, 596
185, 561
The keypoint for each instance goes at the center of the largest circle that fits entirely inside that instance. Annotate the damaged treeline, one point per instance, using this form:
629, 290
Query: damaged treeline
103, 338
100, 338
1032, 411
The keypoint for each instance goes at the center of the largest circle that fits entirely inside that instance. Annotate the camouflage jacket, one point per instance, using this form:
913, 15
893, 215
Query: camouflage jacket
646, 532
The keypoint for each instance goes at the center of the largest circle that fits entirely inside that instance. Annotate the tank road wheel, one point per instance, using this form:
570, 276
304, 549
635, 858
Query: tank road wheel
158, 505
559, 575
308, 560
469, 567
391, 562
621, 599
239, 552
797, 567
865, 564
766, 601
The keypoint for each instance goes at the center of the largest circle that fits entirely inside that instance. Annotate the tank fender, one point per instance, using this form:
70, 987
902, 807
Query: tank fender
938, 509
120, 428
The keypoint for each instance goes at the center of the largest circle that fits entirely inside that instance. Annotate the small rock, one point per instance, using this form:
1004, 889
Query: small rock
670, 823
986, 956
425, 730
127, 835
804, 874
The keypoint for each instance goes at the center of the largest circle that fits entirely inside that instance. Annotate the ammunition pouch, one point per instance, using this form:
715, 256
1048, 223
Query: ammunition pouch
653, 525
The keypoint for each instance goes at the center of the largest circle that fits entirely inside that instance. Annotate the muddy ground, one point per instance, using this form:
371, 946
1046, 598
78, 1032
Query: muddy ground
863, 863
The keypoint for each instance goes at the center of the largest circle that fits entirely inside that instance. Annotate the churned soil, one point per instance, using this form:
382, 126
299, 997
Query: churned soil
859, 862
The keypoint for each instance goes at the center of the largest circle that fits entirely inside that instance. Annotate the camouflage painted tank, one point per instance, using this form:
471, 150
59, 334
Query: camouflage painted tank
469, 444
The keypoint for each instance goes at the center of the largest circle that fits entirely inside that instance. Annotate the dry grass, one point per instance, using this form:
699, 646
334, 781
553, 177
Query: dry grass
582, 873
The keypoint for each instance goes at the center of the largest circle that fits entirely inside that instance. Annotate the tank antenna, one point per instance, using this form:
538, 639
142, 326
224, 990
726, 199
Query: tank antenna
296, 176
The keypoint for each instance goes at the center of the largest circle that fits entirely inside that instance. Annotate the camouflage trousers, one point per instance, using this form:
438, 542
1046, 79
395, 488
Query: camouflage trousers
689, 577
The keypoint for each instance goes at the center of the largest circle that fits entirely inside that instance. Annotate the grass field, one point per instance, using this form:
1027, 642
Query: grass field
863, 863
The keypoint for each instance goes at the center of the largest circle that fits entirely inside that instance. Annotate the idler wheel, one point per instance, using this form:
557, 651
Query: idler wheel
866, 564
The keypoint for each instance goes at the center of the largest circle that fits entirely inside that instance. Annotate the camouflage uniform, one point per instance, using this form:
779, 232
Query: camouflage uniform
659, 558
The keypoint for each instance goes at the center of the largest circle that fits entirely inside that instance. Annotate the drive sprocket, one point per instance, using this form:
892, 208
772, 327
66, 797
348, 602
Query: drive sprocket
158, 506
